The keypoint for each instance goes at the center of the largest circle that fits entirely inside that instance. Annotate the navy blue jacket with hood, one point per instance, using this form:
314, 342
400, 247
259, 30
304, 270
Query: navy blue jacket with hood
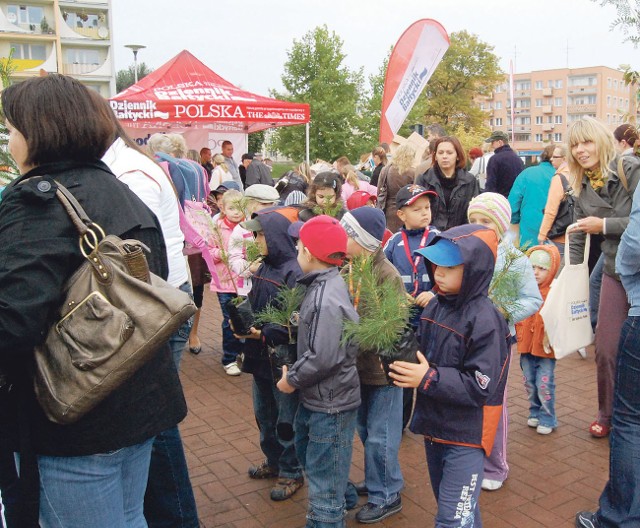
465, 340
279, 269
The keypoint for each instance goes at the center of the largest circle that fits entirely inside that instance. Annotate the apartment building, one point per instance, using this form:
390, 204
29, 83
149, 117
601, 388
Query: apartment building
61, 36
546, 102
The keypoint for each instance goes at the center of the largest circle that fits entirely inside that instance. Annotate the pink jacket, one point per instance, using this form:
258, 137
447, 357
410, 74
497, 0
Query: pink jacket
230, 248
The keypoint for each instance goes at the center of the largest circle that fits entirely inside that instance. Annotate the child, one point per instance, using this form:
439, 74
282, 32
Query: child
324, 197
361, 199
536, 357
492, 210
462, 370
380, 414
274, 411
325, 372
228, 284
414, 210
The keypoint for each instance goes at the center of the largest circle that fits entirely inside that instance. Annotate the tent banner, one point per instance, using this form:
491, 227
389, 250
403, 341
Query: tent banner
413, 60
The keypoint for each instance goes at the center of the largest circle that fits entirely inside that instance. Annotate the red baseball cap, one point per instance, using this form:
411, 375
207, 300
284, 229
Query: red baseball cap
324, 237
360, 199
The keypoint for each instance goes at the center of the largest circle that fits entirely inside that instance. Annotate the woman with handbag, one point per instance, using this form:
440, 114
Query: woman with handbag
395, 176
92, 472
604, 185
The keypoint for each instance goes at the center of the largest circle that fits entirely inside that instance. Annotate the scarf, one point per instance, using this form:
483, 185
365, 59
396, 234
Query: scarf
596, 178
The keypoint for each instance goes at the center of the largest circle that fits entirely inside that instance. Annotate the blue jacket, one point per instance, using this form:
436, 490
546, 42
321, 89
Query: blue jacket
628, 257
325, 372
465, 339
528, 198
502, 170
279, 269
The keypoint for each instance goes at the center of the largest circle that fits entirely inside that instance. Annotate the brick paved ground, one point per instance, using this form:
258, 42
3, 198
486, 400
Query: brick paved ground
551, 477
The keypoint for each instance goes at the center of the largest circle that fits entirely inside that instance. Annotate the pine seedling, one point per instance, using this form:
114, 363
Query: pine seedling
283, 309
328, 208
506, 285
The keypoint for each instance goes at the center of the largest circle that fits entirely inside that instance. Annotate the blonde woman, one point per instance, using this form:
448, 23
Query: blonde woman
351, 183
602, 207
397, 174
220, 172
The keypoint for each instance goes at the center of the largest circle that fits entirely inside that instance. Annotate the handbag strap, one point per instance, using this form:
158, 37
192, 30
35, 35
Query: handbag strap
622, 176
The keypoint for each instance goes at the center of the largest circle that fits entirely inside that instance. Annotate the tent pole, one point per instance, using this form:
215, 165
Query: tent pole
306, 131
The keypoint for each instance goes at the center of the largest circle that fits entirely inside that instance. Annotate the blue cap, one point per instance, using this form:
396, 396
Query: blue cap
443, 253
294, 229
227, 186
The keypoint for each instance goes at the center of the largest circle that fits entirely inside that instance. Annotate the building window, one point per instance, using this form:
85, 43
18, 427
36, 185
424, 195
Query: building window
523, 137
558, 120
82, 56
558, 83
549, 119
29, 51
490, 122
522, 85
498, 121
608, 119
557, 137
615, 102
498, 105
608, 101
538, 120
523, 120
25, 14
538, 103
523, 103
615, 84
549, 83
558, 101
583, 80
608, 82
538, 85
538, 138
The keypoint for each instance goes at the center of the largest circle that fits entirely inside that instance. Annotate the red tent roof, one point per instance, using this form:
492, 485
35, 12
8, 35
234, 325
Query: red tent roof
186, 93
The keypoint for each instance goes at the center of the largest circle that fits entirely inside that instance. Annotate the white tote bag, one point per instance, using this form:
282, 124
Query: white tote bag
566, 311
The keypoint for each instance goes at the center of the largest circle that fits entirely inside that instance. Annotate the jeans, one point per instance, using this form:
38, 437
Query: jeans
380, 429
97, 490
230, 345
595, 284
178, 341
9, 493
324, 443
275, 414
456, 474
169, 500
539, 382
620, 500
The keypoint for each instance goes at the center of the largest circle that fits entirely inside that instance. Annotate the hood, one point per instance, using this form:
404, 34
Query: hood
275, 223
555, 265
478, 246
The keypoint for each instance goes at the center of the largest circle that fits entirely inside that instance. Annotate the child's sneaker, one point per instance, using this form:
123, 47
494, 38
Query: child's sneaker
232, 369
533, 422
263, 471
544, 430
491, 485
285, 488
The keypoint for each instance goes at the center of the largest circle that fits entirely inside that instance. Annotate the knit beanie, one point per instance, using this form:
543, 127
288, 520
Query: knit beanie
366, 225
540, 258
495, 207
295, 198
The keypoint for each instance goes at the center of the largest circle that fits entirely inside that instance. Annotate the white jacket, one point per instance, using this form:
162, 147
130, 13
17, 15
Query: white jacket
150, 183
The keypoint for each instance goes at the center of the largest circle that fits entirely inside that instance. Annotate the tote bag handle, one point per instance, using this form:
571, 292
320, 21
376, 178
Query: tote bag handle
567, 252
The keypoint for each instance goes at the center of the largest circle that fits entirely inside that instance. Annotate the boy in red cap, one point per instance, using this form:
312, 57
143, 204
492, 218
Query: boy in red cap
325, 372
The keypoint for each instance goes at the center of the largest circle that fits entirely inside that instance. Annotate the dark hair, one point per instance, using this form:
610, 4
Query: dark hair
462, 159
204, 149
436, 130
627, 133
385, 146
547, 152
57, 116
380, 152
325, 180
226, 143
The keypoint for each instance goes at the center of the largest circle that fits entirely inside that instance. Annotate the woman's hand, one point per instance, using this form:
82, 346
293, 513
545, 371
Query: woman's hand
591, 224
541, 239
283, 385
409, 375
253, 333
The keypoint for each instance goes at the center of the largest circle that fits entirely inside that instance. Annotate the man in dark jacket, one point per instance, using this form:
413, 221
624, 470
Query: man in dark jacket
257, 172
504, 166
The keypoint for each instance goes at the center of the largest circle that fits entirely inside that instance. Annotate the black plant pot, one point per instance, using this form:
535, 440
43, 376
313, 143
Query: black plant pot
281, 355
241, 315
405, 350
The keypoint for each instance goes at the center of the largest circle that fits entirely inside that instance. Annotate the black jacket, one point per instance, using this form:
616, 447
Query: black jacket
38, 253
454, 213
502, 170
258, 172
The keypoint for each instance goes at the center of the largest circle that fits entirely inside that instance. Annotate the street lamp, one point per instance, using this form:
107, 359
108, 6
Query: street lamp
135, 48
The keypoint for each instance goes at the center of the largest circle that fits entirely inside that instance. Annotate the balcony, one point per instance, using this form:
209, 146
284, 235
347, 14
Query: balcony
78, 69
581, 109
519, 129
547, 109
547, 92
518, 94
548, 127
574, 90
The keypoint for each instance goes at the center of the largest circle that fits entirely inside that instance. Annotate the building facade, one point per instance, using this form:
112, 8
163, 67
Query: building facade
548, 101
60, 36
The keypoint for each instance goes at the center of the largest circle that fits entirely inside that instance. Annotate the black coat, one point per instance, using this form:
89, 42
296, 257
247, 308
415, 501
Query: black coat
502, 170
454, 213
38, 253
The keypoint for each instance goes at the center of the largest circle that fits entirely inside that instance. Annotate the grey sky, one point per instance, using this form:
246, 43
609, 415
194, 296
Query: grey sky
246, 41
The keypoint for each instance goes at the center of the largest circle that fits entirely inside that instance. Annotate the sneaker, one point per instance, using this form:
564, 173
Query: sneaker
373, 513
533, 422
544, 430
232, 369
491, 485
587, 519
263, 471
583, 352
285, 488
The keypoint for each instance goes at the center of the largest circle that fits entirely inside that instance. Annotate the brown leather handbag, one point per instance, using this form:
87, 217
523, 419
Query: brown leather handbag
116, 315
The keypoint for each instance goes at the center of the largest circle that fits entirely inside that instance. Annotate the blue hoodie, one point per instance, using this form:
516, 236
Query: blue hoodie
279, 269
465, 339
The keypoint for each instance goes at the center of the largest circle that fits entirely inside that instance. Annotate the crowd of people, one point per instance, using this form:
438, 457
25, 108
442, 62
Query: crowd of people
470, 243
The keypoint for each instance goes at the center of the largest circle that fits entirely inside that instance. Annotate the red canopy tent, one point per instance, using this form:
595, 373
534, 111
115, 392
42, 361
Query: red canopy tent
184, 93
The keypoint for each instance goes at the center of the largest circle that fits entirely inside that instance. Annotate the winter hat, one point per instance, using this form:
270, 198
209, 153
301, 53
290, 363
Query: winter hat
295, 197
366, 226
540, 258
495, 207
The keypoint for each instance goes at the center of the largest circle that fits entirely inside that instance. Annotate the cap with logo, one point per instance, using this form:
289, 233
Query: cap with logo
408, 194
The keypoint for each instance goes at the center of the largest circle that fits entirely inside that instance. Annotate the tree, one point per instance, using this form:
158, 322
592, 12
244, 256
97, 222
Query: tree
8, 168
468, 69
126, 78
314, 73
256, 140
628, 18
